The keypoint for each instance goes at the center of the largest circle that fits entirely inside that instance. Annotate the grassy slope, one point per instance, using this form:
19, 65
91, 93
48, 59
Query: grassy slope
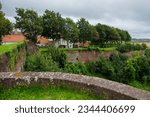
7, 48
45, 93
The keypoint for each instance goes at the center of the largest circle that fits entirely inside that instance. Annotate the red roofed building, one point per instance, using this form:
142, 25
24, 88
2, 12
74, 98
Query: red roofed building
14, 38
41, 41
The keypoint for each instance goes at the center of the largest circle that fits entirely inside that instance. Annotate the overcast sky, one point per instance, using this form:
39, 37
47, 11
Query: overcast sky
131, 15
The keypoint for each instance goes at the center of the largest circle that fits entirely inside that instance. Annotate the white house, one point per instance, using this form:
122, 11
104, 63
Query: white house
63, 43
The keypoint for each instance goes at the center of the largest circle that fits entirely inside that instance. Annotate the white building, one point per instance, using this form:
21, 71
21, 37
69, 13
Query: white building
63, 44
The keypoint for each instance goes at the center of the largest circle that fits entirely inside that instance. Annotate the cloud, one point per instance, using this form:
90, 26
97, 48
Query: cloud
131, 15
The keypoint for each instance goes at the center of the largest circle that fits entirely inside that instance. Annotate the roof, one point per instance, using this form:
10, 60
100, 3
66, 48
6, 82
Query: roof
42, 40
13, 38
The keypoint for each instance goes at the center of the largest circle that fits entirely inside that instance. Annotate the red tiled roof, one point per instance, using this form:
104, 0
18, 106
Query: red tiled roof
13, 38
42, 40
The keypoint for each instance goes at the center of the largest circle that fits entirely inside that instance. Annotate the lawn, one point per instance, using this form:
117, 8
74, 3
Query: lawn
7, 48
45, 93
81, 49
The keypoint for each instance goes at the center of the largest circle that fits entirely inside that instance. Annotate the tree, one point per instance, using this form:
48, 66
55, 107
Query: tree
53, 25
102, 34
71, 31
29, 23
0, 6
113, 35
84, 28
5, 24
128, 36
94, 35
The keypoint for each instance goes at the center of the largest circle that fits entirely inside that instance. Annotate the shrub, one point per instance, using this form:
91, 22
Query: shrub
147, 52
77, 68
127, 47
118, 61
40, 62
59, 56
102, 66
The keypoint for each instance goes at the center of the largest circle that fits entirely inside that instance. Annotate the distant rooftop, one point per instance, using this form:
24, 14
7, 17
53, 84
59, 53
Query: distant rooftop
13, 38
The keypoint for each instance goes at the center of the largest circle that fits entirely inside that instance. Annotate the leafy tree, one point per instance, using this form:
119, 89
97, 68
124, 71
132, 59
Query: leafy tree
5, 24
128, 37
71, 31
94, 36
102, 33
53, 25
84, 27
29, 23
0, 6
114, 35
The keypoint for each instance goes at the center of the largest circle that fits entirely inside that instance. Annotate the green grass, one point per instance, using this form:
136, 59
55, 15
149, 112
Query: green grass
8, 48
45, 93
107, 49
81, 49
140, 85
74, 49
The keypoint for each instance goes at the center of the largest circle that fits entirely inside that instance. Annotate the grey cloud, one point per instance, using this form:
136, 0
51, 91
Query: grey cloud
132, 15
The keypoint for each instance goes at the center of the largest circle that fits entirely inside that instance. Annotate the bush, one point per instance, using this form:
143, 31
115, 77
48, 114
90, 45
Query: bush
40, 62
118, 61
77, 68
59, 56
102, 66
130, 47
147, 52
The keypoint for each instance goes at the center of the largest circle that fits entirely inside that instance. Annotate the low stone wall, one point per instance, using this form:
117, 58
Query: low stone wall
105, 88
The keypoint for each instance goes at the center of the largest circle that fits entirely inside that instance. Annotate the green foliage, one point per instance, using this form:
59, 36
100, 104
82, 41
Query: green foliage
118, 62
77, 68
111, 34
12, 60
59, 56
83, 26
5, 25
53, 25
147, 52
40, 62
102, 66
71, 31
0, 6
94, 36
13, 51
140, 85
129, 72
29, 23
127, 47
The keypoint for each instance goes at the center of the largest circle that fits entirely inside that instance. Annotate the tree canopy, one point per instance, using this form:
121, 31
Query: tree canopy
5, 24
71, 30
52, 25
29, 23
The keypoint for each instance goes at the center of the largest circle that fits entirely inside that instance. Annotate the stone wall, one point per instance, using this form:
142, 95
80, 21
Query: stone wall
105, 88
86, 56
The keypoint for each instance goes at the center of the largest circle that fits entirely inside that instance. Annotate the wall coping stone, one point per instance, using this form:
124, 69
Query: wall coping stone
110, 86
